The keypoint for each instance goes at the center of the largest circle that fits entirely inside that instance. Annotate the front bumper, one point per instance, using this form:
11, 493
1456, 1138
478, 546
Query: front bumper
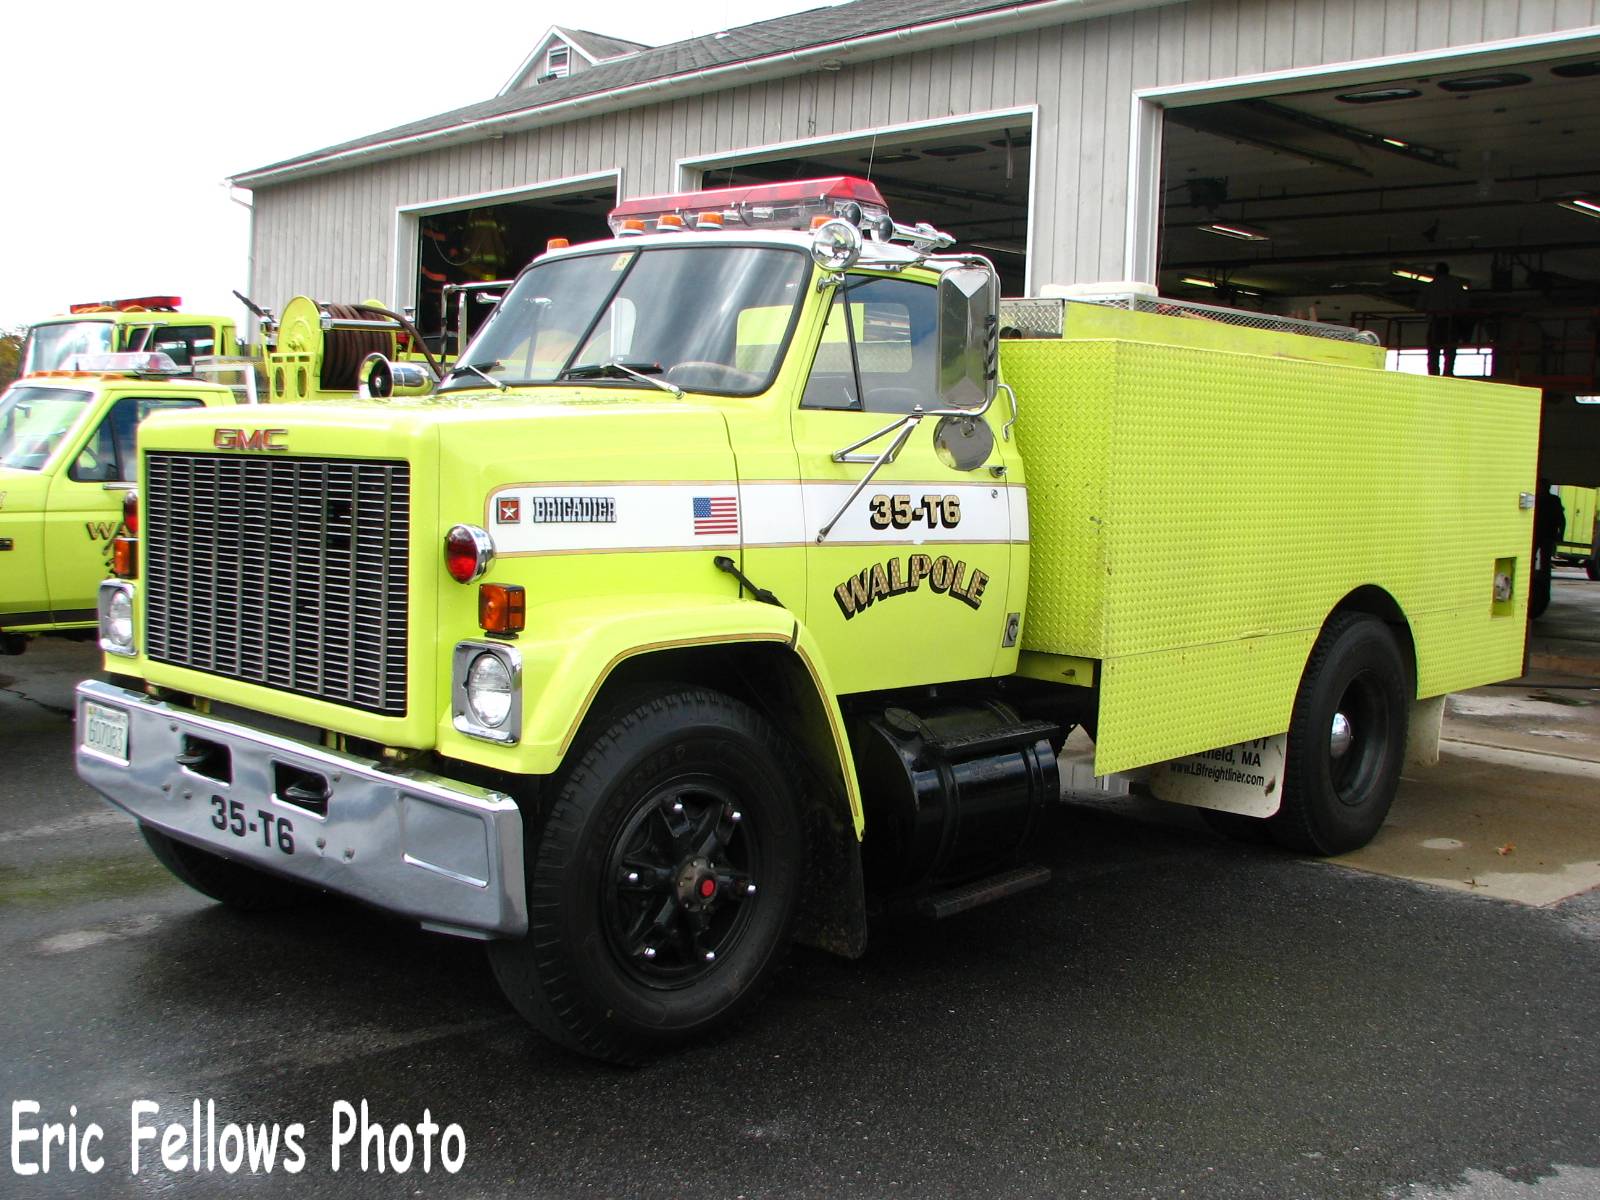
447, 853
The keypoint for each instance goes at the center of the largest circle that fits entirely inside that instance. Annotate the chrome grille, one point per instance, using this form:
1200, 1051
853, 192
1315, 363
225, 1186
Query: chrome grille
286, 572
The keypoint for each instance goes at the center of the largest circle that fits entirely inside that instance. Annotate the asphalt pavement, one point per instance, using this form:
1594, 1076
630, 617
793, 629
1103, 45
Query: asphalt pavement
1172, 1016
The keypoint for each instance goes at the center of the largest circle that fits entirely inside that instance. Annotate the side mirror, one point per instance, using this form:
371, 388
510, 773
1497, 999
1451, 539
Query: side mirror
969, 348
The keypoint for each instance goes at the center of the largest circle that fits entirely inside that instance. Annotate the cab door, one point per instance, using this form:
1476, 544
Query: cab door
84, 509
908, 583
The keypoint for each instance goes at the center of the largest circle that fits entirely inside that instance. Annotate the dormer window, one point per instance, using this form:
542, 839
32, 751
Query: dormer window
557, 61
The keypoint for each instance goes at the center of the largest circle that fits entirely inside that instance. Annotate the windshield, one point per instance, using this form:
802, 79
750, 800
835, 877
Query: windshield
702, 318
33, 421
49, 346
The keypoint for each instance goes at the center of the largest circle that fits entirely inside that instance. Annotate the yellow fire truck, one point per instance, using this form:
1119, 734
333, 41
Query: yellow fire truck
66, 470
149, 324
739, 577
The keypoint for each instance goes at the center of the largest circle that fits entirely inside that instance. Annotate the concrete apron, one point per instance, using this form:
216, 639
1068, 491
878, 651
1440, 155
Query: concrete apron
1513, 808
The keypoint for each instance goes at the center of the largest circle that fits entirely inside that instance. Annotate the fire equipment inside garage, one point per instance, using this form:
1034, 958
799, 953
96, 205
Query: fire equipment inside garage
495, 241
973, 184
1343, 203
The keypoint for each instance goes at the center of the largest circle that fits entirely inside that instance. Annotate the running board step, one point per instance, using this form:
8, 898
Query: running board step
982, 891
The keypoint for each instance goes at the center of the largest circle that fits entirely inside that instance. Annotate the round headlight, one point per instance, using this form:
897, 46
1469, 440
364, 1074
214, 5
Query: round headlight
119, 619
489, 690
835, 245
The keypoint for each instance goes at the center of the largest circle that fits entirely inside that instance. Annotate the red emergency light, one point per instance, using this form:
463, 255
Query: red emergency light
130, 304
758, 206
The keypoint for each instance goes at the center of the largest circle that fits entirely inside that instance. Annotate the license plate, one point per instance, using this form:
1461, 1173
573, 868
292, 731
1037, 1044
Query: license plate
105, 731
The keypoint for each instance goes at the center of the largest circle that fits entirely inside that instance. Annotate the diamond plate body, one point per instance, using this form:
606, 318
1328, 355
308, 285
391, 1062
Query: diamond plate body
1196, 514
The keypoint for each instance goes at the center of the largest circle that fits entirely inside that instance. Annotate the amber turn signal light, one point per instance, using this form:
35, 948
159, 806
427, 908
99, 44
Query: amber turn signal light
502, 607
124, 557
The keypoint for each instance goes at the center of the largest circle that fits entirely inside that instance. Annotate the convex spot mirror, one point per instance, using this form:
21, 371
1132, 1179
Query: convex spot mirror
969, 348
963, 443
379, 379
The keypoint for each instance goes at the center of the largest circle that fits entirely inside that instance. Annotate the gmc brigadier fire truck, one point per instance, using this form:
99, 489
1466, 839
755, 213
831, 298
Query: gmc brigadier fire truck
723, 590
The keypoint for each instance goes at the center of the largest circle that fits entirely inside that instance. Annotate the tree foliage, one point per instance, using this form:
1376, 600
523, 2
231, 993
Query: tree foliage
10, 353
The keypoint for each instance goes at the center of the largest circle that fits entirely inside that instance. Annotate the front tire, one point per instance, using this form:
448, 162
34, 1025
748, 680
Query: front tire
662, 884
222, 879
1347, 738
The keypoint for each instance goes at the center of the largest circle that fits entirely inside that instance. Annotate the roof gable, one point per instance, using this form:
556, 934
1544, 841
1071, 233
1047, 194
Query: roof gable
591, 47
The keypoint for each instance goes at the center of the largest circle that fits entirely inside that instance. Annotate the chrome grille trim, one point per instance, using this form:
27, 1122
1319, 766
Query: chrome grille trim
286, 572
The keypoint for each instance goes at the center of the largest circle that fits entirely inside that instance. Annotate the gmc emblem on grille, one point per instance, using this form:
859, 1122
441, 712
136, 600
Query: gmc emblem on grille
251, 439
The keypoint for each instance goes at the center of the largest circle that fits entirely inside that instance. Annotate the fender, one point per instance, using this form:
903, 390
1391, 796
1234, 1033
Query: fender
573, 647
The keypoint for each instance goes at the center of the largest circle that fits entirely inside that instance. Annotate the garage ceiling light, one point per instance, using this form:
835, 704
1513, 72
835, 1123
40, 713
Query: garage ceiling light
953, 151
903, 156
1577, 70
1406, 273
1582, 204
1379, 95
1484, 83
1196, 281
1240, 233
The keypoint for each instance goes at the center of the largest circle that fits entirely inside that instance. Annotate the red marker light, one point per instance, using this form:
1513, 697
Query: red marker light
130, 512
468, 551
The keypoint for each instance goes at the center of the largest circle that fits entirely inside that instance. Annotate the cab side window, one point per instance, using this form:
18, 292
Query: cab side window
108, 456
184, 343
878, 351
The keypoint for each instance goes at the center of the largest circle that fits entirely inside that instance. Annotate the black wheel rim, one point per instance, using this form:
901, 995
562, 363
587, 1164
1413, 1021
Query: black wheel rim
681, 884
1357, 739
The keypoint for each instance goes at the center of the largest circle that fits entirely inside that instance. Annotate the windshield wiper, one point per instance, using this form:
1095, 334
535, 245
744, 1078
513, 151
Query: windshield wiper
478, 369
616, 367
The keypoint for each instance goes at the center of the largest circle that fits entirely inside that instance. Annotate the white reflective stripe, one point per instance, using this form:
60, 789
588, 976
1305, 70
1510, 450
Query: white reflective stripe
648, 516
571, 518
984, 513
1019, 513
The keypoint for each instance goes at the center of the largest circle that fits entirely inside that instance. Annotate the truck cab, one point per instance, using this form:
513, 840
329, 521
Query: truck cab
67, 463
149, 324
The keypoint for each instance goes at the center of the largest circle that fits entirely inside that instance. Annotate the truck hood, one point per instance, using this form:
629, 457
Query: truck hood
464, 447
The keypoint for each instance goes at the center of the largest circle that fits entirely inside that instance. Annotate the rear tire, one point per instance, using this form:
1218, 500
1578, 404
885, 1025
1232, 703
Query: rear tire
1347, 738
222, 879
662, 885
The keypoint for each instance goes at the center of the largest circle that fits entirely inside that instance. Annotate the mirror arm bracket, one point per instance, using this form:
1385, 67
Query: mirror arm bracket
906, 425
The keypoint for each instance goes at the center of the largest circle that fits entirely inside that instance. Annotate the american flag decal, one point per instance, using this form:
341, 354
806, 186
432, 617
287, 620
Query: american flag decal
715, 515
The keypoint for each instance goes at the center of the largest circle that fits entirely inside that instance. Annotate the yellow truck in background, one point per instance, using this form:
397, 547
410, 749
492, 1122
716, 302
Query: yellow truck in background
147, 324
740, 579
1579, 543
67, 465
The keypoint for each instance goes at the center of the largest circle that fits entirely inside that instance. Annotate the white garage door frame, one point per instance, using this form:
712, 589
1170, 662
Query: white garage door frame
1150, 105
408, 220
691, 170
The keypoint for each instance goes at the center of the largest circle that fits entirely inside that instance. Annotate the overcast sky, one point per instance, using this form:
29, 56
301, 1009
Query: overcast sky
123, 119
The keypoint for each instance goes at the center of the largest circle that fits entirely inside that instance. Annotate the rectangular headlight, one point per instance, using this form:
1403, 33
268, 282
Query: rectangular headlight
115, 606
486, 691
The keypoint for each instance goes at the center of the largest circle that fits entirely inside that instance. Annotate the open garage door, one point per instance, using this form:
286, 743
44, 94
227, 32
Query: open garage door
494, 240
970, 180
1456, 214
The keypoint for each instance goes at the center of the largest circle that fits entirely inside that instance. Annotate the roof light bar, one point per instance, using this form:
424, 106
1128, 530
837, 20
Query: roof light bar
129, 304
759, 206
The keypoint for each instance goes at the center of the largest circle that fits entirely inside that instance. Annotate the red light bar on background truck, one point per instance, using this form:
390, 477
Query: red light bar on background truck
792, 205
130, 304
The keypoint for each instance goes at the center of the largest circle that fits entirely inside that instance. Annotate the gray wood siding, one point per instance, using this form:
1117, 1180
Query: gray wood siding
332, 235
